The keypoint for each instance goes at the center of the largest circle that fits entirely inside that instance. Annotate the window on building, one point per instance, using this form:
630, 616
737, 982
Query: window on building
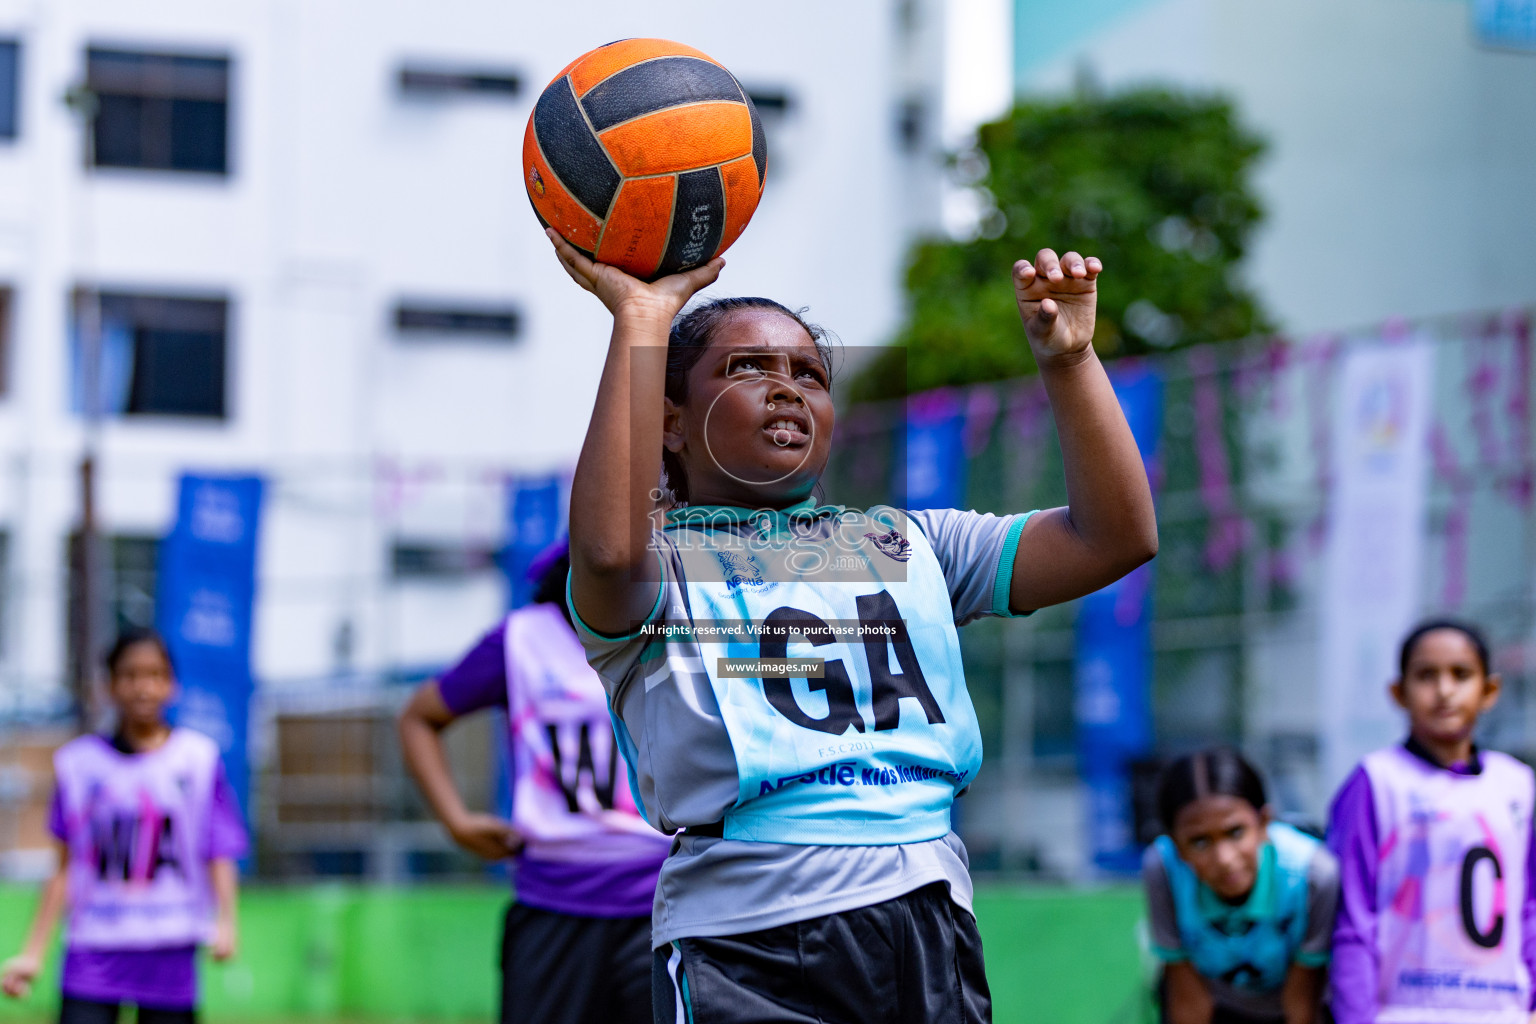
5, 340
157, 355
912, 124
431, 82
10, 87
133, 564
429, 560
5, 588
770, 102
124, 594
431, 321
774, 107
159, 111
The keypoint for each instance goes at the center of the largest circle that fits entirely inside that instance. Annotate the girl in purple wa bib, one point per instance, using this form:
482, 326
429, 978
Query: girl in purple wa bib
149, 832
1437, 917
576, 945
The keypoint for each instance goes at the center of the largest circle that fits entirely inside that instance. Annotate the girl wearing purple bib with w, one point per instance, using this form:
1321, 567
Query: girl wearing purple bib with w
1437, 917
576, 943
149, 832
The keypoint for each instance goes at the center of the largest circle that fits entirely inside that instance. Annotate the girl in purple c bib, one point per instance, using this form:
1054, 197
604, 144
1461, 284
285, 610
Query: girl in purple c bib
148, 834
1437, 917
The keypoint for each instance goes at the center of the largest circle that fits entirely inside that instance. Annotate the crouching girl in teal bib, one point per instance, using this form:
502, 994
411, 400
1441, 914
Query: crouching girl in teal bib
785, 676
1241, 907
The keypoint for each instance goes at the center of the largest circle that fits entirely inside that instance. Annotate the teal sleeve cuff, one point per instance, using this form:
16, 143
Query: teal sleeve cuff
1003, 582
1313, 959
1169, 956
582, 627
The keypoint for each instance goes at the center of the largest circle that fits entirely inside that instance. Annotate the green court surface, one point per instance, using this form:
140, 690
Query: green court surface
361, 954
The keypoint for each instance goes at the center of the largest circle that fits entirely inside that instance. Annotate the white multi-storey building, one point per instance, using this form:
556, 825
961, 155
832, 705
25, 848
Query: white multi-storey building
315, 261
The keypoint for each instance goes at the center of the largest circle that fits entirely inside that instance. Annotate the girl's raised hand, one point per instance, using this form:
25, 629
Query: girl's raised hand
622, 293
1057, 298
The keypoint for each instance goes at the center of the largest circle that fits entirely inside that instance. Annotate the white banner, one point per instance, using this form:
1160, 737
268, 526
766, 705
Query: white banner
1372, 565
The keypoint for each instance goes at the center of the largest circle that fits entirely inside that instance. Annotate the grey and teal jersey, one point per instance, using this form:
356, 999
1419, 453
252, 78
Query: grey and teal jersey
1244, 951
832, 788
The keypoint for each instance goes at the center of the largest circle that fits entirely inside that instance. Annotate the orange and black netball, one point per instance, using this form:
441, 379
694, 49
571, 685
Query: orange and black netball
647, 155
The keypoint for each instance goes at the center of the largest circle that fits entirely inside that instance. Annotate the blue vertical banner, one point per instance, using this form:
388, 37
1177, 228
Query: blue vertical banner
933, 467
535, 520
1506, 24
205, 602
536, 515
1113, 666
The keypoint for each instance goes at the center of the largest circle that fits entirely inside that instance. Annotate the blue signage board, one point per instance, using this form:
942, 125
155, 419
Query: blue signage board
535, 520
933, 470
1113, 670
204, 606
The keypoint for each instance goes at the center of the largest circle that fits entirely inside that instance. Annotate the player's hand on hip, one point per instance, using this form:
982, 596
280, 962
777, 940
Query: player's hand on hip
17, 973
623, 294
487, 836
1057, 297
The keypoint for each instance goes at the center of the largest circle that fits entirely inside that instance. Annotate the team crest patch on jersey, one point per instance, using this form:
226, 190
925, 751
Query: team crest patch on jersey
739, 570
892, 544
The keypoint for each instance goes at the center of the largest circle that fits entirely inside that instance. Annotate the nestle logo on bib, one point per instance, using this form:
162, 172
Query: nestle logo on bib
739, 570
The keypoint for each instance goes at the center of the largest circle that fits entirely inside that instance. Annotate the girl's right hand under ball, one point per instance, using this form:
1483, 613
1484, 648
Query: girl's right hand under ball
625, 295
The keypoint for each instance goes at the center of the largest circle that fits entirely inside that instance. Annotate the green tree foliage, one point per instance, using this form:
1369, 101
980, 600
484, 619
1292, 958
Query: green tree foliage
1155, 183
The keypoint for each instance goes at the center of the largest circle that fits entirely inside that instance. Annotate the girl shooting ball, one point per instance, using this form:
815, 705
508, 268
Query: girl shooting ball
816, 877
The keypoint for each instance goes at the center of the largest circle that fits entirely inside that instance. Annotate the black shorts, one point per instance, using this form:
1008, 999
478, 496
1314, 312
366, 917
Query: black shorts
916, 958
90, 1011
564, 969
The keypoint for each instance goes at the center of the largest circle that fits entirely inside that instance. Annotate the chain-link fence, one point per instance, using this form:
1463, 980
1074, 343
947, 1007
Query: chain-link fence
375, 575
1243, 485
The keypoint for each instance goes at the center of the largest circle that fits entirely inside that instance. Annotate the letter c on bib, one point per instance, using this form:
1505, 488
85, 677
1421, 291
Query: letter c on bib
1495, 934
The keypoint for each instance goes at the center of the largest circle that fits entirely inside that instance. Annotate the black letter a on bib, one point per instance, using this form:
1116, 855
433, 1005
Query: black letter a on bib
877, 613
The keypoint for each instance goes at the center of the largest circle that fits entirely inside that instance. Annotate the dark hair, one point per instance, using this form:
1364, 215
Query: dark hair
549, 588
691, 334
1472, 633
132, 637
1220, 771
